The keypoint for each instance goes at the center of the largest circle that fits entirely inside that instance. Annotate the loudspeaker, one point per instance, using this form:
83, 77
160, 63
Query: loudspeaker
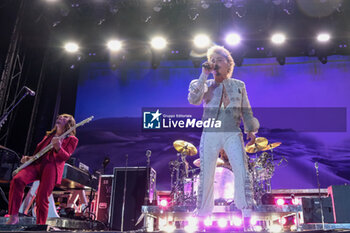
104, 198
136, 182
312, 210
340, 195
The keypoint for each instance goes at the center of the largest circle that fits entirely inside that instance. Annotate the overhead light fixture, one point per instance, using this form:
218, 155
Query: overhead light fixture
204, 4
233, 39
323, 37
71, 47
278, 38
114, 45
158, 42
201, 41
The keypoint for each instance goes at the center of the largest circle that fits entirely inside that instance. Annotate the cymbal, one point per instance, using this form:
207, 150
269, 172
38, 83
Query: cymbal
272, 146
260, 143
185, 148
219, 162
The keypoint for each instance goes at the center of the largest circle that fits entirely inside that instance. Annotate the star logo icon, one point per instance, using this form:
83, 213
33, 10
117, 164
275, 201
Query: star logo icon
156, 115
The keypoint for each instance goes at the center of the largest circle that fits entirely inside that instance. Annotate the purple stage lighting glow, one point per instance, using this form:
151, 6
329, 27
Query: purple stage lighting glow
222, 223
233, 39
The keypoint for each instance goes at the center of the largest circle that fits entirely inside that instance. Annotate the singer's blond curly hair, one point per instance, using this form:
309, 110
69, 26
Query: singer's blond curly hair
223, 52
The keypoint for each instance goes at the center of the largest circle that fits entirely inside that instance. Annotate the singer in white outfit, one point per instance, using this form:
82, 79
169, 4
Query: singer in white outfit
224, 98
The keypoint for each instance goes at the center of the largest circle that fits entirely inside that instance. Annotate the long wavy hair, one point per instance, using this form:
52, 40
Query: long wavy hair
70, 123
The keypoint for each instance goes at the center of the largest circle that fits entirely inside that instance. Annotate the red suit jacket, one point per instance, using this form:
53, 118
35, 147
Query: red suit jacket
67, 148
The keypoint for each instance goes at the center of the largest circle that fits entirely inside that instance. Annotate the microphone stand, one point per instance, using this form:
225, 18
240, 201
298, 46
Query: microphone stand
148, 155
319, 195
124, 193
12, 107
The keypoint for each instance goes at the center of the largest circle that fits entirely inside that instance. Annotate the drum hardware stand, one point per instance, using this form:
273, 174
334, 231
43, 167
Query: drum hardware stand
319, 194
91, 197
124, 193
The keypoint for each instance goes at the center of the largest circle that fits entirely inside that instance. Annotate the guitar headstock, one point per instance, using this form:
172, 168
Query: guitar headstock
87, 120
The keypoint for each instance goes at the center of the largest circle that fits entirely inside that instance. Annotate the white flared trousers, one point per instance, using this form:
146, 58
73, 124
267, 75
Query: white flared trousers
210, 146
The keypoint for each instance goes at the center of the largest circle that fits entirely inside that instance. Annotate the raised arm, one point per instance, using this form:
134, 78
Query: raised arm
197, 89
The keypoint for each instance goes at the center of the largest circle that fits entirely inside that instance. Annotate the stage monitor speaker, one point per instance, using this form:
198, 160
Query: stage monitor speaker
104, 198
136, 182
312, 210
340, 195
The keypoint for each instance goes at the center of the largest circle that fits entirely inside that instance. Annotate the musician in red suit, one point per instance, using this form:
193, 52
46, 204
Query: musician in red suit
48, 169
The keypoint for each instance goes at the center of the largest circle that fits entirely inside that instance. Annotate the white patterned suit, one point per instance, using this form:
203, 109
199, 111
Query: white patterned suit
229, 137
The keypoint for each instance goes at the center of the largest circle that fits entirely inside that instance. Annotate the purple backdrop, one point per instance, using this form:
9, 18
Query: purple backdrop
116, 98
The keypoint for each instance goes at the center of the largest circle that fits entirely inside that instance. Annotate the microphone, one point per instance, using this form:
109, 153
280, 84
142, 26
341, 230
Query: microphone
206, 66
148, 153
29, 91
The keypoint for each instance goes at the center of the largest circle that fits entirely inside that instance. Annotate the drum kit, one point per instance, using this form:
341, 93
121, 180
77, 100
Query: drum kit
185, 179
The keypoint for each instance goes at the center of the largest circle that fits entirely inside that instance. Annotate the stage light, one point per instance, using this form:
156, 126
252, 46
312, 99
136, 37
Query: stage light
208, 222
281, 60
158, 42
323, 37
278, 38
192, 221
204, 4
164, 203
201, 41
237, 221
253, 221
296, 201
228, 3
169, 228
233, 39
190, 229
282, 221
258, 228
276, 228
162, 222
280, 201
71, 47
323, 59
222, 223
114, 45
192, 224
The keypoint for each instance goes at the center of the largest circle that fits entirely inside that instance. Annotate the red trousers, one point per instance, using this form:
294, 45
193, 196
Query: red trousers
45, 171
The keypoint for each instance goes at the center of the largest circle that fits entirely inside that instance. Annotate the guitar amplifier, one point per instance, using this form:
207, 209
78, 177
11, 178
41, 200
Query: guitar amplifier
340, 201
125, 217
312, 210
104, 198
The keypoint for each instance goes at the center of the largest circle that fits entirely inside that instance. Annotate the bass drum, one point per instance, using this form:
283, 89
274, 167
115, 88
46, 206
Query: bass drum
224, 187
